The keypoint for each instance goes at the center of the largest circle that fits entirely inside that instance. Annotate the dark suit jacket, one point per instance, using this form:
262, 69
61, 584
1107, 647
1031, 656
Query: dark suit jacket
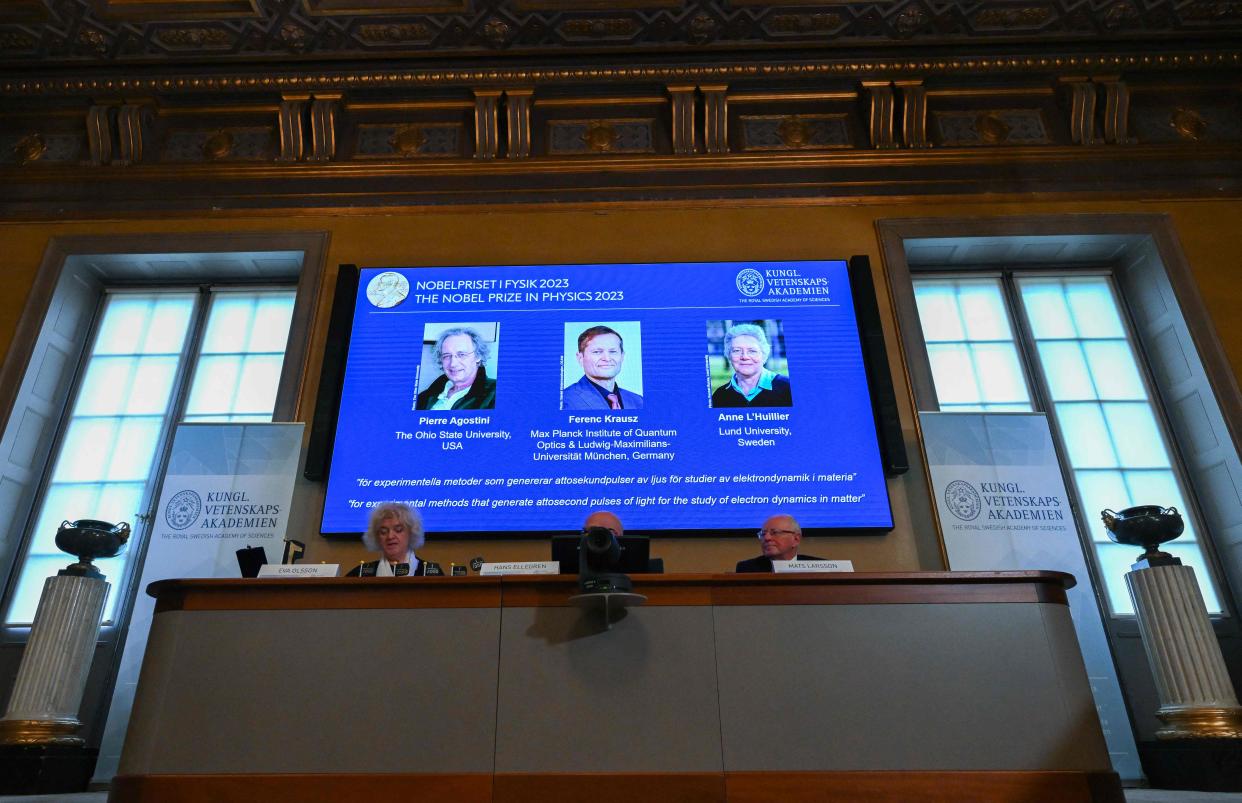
368, 569
481, 396
582, 395
763, 564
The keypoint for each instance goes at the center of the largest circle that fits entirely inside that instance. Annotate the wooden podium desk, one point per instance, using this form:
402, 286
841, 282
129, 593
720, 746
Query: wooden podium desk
933, 686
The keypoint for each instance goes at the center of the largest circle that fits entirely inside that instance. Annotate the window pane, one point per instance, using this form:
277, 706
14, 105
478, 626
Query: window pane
938, 311
260, 376
153, 381
145, 323
953, 374
272, 317
1135, 435
1095, 312
1114, 561
215, 382
1069, 378
983, 311
243, 353
84, 452
1114, 370
35, 570
134, 452
1046, 309
971, 349
1087, 440
228, 328
1000, 373
110, 378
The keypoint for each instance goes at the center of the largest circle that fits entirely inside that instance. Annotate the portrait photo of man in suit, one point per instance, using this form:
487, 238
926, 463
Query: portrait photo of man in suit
601, 357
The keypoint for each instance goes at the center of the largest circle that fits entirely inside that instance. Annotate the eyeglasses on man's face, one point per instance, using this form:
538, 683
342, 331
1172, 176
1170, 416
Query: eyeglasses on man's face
776, 532
460, 356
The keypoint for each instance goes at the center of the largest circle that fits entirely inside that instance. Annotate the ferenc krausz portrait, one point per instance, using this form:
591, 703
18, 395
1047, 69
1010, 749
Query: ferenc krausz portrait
388, 289
601, 357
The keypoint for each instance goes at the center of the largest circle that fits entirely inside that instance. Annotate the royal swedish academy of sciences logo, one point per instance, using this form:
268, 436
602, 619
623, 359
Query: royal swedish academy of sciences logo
183, 509
963, 500
750, 282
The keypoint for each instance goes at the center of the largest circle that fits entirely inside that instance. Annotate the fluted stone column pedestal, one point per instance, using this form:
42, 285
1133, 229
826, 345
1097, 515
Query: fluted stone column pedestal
1200, 743
40, 749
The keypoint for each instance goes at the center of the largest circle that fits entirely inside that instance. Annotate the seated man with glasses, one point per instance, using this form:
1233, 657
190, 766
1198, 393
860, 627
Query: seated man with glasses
779, 540
464, 385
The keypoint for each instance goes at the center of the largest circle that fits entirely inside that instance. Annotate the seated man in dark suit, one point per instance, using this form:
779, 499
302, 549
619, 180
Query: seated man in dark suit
779, 540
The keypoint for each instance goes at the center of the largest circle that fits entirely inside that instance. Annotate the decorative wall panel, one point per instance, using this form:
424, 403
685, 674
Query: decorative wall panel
991, 127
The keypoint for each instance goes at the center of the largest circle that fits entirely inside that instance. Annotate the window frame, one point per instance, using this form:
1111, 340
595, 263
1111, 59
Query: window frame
123, 586
1041, 402
106, 264
1132, 248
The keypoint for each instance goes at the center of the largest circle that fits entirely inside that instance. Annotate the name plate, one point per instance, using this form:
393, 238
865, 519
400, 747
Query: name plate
521, 567
299, 570
781, 566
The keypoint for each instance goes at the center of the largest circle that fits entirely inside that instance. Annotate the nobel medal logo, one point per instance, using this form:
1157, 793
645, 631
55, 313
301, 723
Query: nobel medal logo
388, 289
183, 509
963, 500
750, 282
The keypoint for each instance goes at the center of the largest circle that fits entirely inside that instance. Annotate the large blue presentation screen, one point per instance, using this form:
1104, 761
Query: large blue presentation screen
690, 397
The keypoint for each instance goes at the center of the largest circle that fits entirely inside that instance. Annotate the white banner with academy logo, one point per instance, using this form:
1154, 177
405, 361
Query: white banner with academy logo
1002, 504
227, 486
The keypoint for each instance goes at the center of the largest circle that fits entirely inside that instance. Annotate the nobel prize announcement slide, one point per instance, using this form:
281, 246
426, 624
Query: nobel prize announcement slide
691, 397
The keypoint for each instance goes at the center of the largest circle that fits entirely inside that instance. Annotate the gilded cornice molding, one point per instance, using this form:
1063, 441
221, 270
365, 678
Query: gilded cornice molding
168, 83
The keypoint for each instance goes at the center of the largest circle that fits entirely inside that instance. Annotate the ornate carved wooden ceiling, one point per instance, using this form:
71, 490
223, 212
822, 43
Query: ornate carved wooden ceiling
68, 32
116, 106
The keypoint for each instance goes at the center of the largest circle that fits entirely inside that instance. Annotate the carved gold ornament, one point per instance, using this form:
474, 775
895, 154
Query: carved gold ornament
218, 145
992, 129
92, 39
600, 136
408, 140
1188, 124
29, 148
794, 132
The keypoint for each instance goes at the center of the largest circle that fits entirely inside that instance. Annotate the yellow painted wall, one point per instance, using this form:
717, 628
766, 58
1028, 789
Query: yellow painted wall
1210, 234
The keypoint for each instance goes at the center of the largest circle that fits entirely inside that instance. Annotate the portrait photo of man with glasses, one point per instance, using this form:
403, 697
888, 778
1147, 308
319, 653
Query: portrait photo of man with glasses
462, 352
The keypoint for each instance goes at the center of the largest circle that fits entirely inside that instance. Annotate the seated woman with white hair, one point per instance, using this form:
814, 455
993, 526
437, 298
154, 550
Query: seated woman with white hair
395, 531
